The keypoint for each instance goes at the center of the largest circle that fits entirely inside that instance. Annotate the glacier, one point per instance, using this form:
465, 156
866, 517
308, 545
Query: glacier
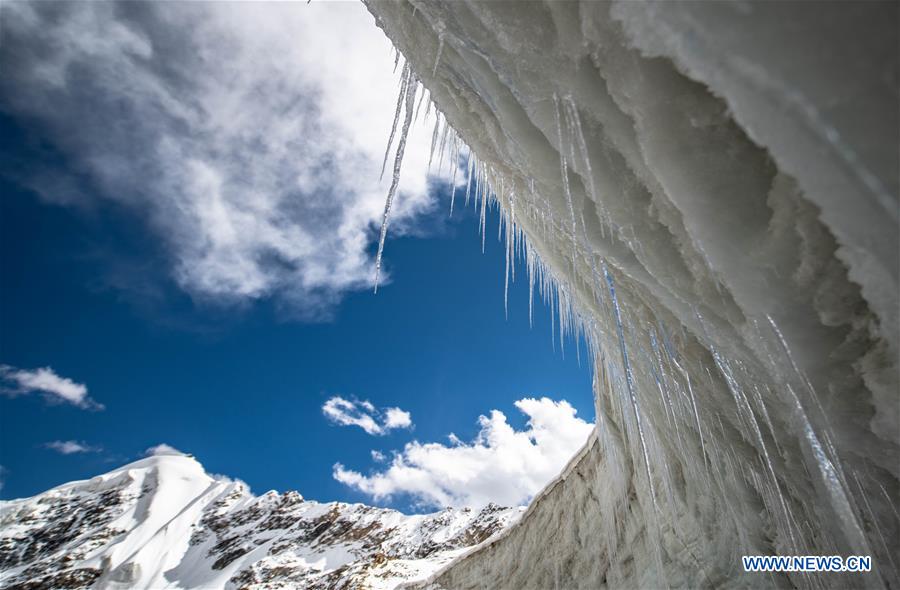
708, 192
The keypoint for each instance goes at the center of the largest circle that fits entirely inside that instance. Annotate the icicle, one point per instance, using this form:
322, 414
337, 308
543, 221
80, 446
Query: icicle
744, 407
410, 97
582, 145
529, 261
565, 179
697, 418
483, 216
830, 471
506, 285
632, 394
437, 56
514, 252
597, 286
577, 336
455, 171
482, 186
434, 136
419, 104
509, 254
469, 165
500, 195
874, 520
404, 85
762, 406
443, 145
548, 298
560, 293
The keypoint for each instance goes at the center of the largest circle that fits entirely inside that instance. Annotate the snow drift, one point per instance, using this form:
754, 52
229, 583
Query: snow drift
708, 191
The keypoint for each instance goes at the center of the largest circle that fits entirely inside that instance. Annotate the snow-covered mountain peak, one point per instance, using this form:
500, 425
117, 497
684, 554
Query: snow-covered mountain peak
163, 522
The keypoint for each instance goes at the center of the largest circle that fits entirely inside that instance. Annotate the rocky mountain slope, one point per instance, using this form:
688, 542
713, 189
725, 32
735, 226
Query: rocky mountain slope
163, 522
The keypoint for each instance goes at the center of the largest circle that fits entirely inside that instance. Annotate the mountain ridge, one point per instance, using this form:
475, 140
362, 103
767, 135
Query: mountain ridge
164, 522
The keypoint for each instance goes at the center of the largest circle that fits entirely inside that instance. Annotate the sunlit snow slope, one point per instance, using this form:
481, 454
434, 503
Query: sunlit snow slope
710, 191
163, 522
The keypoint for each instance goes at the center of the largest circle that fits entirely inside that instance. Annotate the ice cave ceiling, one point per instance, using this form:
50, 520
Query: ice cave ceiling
709, 190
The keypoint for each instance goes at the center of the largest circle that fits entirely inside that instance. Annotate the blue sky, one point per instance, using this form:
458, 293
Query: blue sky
230, 351
243, 389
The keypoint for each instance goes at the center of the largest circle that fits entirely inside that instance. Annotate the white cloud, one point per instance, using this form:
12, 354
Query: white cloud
397, 418
45, 381
501, 465
3, 472
70, 447
249, 136
363, 414
162, 449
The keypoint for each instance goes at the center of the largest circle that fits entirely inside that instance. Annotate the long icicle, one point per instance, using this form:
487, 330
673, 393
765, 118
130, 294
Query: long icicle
632, 394
434, 136
404, 86
455, 158
564, 168
398, 160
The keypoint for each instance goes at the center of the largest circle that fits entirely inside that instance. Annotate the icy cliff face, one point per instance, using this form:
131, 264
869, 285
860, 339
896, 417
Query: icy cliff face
163, 522
710, 191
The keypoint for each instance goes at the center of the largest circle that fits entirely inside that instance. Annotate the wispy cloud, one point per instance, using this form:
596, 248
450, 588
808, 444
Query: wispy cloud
363, 414
45, 381
501, 465
71, 447
3, 472
249, 137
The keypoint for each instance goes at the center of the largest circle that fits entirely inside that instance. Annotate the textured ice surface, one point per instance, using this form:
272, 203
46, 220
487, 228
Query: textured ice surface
709, 190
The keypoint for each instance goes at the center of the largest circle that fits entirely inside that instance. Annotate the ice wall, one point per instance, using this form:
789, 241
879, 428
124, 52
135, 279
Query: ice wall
709, 191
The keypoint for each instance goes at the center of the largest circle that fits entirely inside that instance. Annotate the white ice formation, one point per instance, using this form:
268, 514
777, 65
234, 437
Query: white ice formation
163, 522
709, 192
